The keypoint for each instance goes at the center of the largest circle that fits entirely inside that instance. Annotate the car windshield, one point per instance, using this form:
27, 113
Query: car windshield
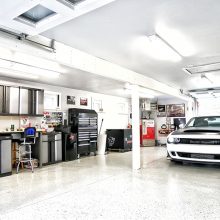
212, 121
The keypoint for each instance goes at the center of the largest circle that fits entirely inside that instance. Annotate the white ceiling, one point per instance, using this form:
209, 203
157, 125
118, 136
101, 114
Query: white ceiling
111, 32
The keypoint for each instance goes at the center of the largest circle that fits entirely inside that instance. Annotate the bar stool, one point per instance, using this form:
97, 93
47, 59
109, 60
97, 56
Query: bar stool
24, 149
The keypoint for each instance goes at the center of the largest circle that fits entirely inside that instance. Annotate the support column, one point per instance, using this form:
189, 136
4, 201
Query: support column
136, 160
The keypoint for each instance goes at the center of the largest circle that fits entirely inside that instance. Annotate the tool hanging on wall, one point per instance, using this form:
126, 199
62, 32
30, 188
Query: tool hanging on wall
101, 126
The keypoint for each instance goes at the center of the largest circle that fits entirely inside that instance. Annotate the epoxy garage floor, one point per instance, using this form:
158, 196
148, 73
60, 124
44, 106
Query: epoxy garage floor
105, 187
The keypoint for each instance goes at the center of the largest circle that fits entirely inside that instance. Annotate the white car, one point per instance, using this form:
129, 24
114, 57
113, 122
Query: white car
198, 141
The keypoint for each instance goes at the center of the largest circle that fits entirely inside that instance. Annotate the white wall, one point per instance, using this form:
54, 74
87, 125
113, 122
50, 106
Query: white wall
209, 106
115, 109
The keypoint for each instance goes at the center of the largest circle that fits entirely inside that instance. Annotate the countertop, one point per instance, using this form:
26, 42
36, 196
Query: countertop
9, 132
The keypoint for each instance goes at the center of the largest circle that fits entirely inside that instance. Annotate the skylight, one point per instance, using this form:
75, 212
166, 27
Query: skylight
36, 14
70, 3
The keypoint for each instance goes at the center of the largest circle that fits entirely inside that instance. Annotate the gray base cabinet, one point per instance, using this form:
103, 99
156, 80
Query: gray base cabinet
5, 156
51, 148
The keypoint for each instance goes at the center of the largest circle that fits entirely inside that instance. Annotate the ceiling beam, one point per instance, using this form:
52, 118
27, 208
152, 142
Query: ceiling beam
77, 59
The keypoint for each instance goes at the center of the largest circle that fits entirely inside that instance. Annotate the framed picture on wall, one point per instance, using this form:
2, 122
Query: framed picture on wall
161, 110
83, 101
71, 100
97, 105
176, 110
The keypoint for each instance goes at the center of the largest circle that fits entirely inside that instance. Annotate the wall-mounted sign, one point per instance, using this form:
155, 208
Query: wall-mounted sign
176, 110
161, 110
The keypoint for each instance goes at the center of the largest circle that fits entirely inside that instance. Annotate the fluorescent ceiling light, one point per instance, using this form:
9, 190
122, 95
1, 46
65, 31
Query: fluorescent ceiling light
33, 71
205, 95
205, 78
145, 95
4, 82
143, 92
19, 57
176, 39
14, 73
204, 68
202, 80
157, 48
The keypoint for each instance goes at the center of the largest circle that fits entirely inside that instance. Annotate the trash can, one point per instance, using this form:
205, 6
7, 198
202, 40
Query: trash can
101, 144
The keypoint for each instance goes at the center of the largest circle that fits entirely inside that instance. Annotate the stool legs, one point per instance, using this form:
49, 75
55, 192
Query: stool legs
31, 163
18, 166
27, 160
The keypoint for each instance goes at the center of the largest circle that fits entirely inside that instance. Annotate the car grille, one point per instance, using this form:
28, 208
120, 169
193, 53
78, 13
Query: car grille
199, 156
200, 141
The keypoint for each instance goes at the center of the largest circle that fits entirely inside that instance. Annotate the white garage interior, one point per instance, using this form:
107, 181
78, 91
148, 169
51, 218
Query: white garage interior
134, 67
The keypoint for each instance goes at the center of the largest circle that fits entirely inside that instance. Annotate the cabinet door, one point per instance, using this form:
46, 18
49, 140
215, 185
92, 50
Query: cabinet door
39, 102
58, 150
5, 159
44, 152
25, 101
11, 100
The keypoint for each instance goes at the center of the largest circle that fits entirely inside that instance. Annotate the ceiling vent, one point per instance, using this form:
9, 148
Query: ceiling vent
205, 68
35, 15
70, 3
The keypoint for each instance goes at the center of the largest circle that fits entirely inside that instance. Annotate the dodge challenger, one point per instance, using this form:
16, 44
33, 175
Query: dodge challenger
198, 141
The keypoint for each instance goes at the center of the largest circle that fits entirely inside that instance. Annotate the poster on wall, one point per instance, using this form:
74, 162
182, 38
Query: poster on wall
175, 110
161, 110
71, 100
83, 101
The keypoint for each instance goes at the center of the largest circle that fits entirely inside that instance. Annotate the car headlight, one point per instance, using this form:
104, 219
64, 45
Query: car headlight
173, 140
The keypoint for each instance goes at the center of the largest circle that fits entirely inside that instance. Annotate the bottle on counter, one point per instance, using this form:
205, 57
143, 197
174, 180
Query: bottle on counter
12, 127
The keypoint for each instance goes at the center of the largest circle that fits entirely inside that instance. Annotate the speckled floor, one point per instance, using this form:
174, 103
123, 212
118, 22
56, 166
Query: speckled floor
105, 187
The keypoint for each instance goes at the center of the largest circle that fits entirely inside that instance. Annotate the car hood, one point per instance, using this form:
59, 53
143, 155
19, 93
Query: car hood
197, 130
